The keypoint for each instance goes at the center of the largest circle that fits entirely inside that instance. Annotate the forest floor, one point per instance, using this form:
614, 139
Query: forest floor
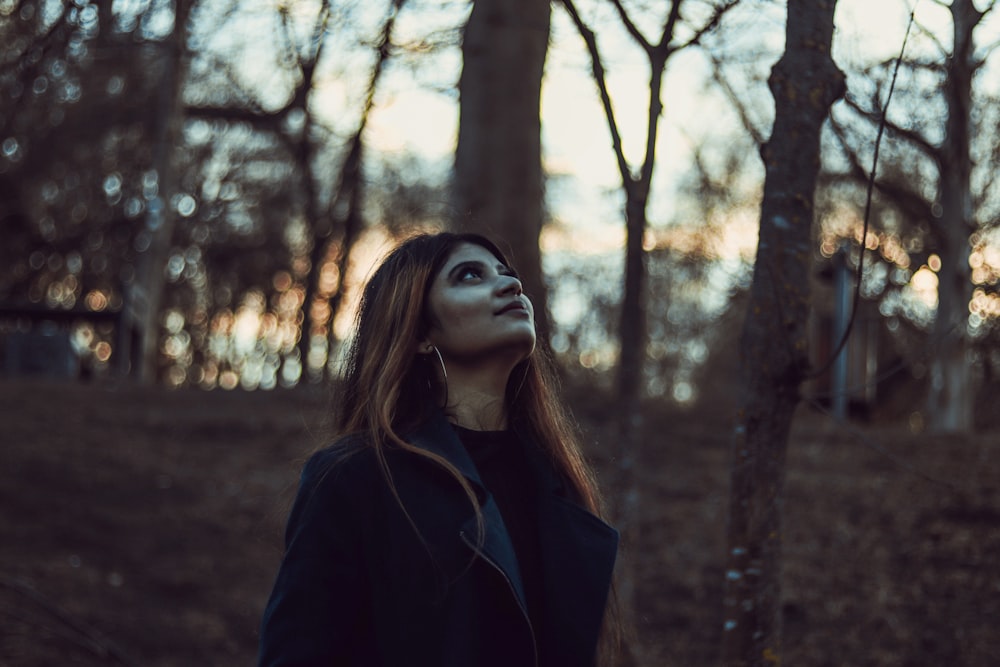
143, 527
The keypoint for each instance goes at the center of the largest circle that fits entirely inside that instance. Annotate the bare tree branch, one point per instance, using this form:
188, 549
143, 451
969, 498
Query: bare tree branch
245, 97
986, 193
884, 68
601, 80
348, 193
251, 111
319, 29
719, 76
710, 25
913, 204
308, 65
929, 34
668, 29
917, 140
290, 52
631, 27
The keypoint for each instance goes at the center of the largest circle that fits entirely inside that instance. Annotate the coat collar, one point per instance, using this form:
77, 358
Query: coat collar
438, 436
578, 548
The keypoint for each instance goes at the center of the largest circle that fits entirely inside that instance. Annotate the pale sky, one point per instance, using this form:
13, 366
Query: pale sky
416, 112
575, 133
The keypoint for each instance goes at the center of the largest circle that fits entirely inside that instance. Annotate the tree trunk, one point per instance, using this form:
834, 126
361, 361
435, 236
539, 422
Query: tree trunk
804, 83
146, 292
951, 395
498, 189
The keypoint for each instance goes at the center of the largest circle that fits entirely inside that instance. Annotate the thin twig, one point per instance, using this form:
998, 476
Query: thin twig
926, 147
711, 24
599, 78
632, 28
741, 110
868, 209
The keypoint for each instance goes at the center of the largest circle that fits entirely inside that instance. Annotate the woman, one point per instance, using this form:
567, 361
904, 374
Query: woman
454, 523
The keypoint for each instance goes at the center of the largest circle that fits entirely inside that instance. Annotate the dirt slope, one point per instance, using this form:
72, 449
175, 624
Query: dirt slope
143, 527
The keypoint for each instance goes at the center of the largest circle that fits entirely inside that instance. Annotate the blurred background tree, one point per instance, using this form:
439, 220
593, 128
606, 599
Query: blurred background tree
88, 125
254, 189
498, 181
674, 32
937, 201
151, 168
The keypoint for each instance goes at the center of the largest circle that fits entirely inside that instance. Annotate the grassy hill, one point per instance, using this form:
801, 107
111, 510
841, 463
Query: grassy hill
143, 527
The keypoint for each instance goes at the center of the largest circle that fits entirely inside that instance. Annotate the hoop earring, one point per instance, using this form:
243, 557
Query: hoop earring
520, 385
444, 372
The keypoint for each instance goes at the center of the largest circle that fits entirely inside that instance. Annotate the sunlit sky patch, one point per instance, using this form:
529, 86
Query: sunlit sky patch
417, 109
415, 116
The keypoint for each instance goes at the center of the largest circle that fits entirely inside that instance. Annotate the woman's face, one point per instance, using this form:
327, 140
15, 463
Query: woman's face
478, 312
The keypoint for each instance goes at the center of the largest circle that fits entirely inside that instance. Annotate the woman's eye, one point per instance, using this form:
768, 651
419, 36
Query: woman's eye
469, 273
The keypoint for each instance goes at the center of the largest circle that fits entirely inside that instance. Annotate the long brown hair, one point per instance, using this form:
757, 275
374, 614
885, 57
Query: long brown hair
384, 388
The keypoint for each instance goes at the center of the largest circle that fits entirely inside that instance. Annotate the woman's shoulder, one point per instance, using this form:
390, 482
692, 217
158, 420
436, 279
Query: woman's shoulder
350, 453
335, 478
352, 461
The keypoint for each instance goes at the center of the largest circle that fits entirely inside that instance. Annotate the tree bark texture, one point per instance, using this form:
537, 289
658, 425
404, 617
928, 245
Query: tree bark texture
498, 188
951, 395
804, 83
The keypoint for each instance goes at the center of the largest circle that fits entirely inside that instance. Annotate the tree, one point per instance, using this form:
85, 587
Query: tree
498, 189
152, 174
774, 350
345, 212
145, 296
935, 192
332, 204
637, 184
81, 80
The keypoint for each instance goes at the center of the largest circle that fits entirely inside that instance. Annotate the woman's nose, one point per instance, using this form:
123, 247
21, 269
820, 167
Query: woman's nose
510, 285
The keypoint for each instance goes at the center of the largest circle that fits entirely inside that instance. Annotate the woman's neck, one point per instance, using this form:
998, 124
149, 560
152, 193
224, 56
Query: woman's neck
478, 415
477, 401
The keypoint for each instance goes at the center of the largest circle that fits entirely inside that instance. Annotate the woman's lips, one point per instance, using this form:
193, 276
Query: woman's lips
513, 306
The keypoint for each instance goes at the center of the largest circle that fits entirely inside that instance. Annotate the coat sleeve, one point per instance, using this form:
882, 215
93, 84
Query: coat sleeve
315, 615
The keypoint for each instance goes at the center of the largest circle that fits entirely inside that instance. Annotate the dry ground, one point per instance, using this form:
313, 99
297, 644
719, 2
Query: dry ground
143, 527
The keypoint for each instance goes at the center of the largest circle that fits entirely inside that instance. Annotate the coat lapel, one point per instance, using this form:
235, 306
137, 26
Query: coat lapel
578, 559
578, 549
439, 437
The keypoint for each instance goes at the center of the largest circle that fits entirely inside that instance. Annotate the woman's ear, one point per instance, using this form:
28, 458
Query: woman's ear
424, 346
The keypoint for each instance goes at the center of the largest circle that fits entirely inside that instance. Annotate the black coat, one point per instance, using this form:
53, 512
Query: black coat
359, 586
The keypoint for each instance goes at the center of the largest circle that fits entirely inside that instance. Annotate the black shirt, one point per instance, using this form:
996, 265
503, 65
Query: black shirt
500, 460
